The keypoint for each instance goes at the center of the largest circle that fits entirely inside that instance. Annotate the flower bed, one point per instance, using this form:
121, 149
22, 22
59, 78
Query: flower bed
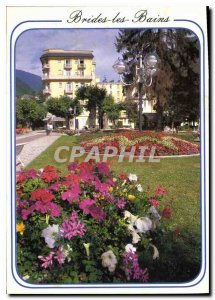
22, 130
162, 143
89, 226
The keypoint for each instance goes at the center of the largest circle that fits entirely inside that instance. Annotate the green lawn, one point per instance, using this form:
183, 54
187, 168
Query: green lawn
181, 177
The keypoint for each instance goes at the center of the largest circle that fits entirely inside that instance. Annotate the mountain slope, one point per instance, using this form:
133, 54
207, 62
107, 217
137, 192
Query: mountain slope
32, 80
22, 88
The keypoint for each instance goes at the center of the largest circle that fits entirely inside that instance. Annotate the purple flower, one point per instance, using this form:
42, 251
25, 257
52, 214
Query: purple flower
72, 195
130, 260
89, 207
54, 187
47, 260
60, 256
101, 187
103, 168
53, 209
72, 167
121, 203
86, 204
97, 213
72, 227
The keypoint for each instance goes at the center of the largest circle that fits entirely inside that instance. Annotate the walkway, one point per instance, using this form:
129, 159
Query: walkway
36, 143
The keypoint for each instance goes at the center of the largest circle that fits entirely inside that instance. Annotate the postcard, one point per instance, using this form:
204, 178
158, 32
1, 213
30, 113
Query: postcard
108, 150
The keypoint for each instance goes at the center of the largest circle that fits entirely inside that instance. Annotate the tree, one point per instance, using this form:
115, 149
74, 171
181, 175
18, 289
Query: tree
64, 107
29, 113
110, 111
179, 54
95, 97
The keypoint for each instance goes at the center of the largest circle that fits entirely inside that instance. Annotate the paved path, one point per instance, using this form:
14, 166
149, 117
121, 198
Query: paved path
35, 145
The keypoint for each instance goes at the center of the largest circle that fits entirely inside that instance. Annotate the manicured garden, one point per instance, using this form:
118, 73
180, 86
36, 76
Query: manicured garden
163, 144
168, 243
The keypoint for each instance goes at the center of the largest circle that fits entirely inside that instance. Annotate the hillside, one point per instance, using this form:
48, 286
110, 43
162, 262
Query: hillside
22, 88
31, 80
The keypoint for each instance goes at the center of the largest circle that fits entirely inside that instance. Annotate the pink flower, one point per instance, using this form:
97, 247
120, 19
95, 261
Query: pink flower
153, 202
97, 213
103, 168
130, 260
60, 256
55, 187
160, 191
89, 207
101, 187
121, 203
47, 260
72, 194
86, 204
72, 227
72, 167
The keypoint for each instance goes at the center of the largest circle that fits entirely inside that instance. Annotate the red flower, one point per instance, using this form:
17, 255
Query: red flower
167, 212
49, 174
20, 178
42, 195
153, 202
160, 191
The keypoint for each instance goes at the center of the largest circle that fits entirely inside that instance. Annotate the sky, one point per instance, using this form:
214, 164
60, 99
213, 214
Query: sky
30, 46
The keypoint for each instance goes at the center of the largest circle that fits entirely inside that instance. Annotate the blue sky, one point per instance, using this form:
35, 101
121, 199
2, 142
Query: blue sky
30, 45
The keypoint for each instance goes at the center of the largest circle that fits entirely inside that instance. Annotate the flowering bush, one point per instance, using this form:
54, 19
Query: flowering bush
163, 143
21, 130
88, 226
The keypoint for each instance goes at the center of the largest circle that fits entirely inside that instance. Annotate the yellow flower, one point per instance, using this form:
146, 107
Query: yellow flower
114, 179
110, 189
131, 197
20, 227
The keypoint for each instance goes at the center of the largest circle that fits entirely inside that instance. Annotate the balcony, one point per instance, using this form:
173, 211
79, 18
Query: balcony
68, 91
67, 66
81, 66
47, 91
45, 66
67, 77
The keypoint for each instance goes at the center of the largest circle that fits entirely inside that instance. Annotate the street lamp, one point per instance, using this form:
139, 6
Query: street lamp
145, 70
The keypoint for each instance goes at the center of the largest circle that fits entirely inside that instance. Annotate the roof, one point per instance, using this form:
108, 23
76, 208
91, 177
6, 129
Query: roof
64, 53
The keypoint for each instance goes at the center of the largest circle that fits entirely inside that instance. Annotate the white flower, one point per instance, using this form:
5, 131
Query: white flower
129, 217
137, 225
130, 247
135, 236
143, 225
155, 213
132, 177
66, 250
156, 253
50, 235
139, 188
26, 277
109, 260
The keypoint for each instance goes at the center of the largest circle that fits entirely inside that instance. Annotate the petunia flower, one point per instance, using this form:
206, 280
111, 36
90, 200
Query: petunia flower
132, 177
51, 234
130, 247
139, 188
109, 260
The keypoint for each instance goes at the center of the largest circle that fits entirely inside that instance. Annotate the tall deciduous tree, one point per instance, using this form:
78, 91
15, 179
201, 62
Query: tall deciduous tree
29, 113
64, 107
95, 97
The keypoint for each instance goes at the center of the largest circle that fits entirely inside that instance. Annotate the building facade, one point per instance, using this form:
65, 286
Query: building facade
64, 71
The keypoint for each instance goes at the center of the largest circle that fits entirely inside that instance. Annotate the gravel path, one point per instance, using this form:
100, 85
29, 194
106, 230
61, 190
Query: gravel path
33, 148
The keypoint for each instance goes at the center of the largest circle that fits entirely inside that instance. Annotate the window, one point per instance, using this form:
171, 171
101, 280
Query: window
60, 85
59, 72
68, 73
82, 73
81, 62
